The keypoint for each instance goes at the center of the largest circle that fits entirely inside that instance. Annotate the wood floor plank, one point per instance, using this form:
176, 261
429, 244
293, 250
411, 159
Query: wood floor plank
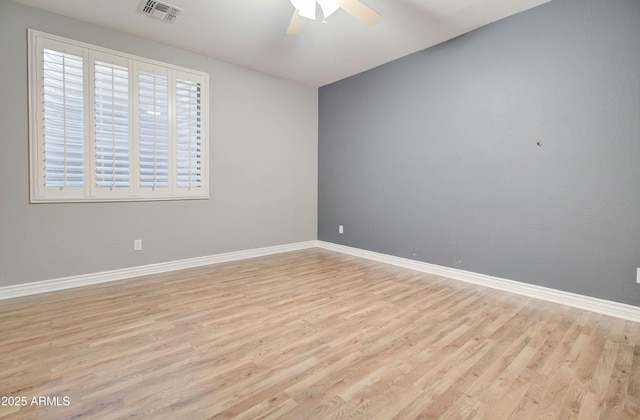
312, 334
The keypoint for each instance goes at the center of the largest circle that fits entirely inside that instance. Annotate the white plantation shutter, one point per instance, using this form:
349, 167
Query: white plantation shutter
153, 98
63, 122
111, 125
107, 126
188, 134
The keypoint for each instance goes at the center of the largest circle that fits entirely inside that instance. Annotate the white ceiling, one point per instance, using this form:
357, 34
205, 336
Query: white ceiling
252, 33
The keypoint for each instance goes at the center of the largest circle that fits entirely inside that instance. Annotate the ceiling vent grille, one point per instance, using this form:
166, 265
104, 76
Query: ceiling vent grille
159, 10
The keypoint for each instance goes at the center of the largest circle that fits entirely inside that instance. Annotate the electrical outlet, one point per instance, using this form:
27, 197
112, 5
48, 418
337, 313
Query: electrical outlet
137, 244
340, 229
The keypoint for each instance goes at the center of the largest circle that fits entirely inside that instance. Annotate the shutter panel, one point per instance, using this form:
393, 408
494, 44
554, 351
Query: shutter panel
188, 135
111, 125
63, 119
153, 130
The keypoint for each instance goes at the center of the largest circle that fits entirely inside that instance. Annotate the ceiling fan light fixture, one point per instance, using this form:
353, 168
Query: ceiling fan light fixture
305, 8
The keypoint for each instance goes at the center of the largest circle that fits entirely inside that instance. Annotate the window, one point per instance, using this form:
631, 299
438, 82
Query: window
106, 125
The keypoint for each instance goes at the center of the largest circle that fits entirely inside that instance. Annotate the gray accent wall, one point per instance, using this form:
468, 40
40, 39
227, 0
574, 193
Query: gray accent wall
263, 169
512, 151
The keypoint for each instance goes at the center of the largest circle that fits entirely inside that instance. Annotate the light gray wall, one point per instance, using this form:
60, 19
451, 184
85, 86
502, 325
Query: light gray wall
263, 169
434, 157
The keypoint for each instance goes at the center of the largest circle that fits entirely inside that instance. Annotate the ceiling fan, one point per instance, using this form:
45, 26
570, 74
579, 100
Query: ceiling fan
306, 9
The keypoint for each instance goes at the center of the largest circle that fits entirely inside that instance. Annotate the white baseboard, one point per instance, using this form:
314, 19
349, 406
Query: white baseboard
33, 288
601, 306
605, 307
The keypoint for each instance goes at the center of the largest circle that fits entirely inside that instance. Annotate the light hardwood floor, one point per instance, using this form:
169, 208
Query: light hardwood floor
312, 334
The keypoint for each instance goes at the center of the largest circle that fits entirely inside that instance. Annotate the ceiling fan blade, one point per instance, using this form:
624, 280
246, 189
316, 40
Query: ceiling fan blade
360, 11
296, 24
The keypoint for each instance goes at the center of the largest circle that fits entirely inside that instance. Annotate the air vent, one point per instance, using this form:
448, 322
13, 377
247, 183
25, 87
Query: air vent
159, 10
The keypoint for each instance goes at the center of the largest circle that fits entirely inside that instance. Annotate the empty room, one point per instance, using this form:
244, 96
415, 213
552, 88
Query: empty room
300, 209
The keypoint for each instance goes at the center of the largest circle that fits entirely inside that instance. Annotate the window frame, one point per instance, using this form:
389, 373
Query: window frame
90, 192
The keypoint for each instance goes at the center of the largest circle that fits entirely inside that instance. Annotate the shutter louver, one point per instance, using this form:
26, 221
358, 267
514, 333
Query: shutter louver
188, 135
111, 125
63, 119
153, 130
